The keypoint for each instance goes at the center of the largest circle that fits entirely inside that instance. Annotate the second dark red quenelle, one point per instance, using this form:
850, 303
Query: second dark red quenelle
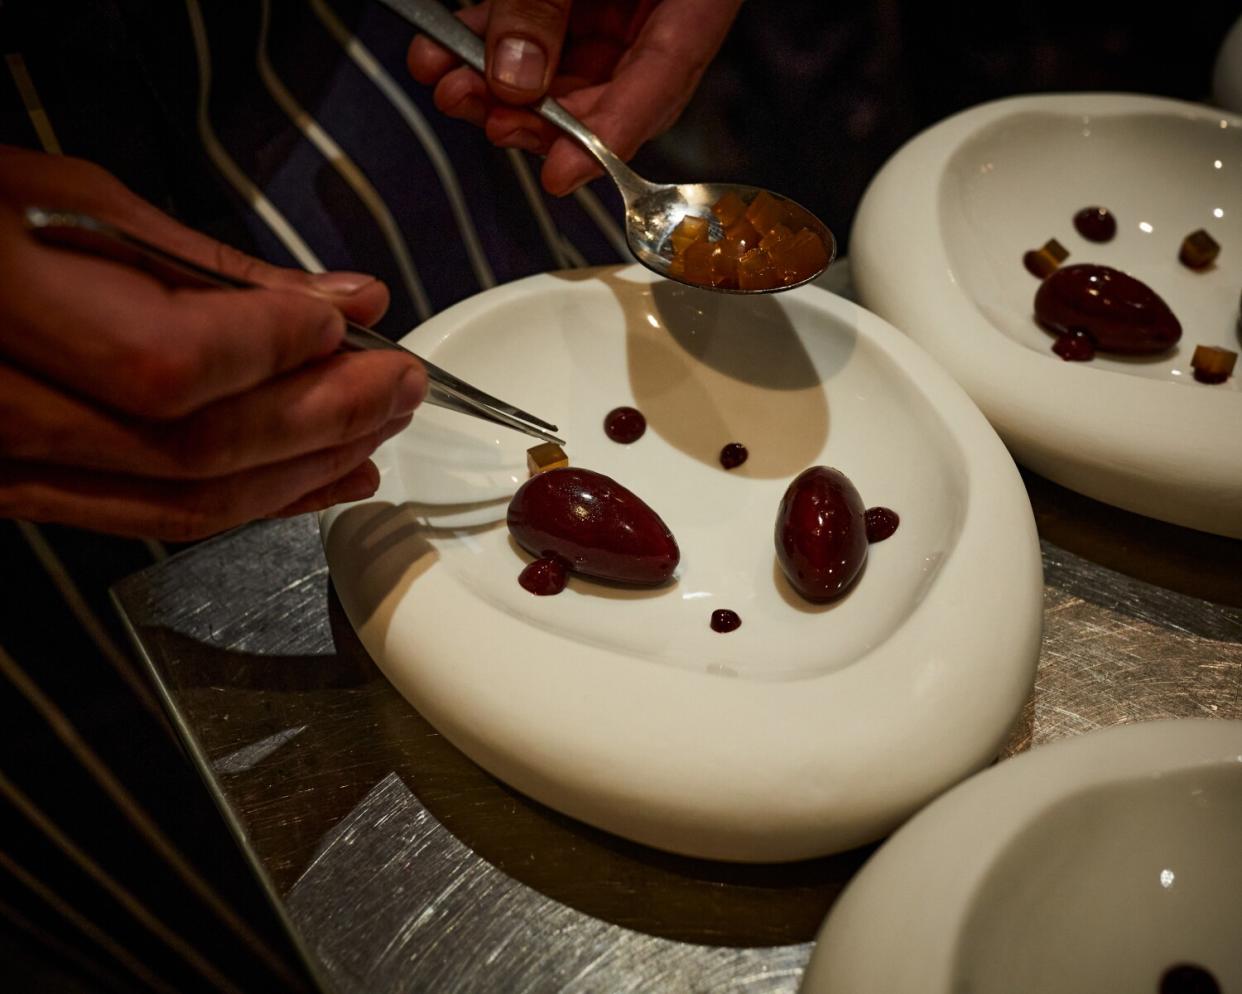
1117, 312
594, 525
821, 533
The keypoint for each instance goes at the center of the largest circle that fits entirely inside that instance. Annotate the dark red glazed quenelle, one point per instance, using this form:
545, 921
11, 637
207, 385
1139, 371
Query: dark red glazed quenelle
594, 525
821, 533
1118, 312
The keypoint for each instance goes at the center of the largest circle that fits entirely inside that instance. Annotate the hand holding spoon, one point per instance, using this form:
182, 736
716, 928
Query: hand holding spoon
653, 211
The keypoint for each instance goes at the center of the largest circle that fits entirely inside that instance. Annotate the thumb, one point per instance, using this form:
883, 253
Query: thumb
524, 39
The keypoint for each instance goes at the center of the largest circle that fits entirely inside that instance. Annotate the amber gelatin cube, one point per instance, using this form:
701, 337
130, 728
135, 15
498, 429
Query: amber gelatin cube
766, 212
1199, 250
1212, 364
743, 234
756, 272
729, 208
689, 230
698, 260
545, 456
774, 237
1056, 250
799, 257
724, 265
1045, 261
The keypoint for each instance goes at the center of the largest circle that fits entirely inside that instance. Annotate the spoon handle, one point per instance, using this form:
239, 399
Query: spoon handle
433, 19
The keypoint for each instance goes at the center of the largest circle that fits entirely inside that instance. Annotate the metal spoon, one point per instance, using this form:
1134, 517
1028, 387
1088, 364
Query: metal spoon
652, 210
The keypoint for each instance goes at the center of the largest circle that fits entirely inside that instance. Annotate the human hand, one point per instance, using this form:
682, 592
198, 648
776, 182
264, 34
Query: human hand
132, 407
625, 68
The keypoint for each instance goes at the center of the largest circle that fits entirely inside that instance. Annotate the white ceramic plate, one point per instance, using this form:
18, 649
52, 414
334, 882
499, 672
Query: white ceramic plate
808, 730
1093, 864
937, 249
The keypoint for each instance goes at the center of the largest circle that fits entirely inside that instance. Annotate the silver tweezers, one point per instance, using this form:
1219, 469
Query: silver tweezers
81, 231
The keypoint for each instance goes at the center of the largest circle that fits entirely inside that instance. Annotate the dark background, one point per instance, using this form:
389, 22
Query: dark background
810, 98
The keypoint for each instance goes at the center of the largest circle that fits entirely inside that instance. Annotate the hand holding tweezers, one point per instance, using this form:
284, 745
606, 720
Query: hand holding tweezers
87, 233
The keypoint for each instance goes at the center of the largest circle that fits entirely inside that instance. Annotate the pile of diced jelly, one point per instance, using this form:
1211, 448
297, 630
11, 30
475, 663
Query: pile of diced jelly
764, 246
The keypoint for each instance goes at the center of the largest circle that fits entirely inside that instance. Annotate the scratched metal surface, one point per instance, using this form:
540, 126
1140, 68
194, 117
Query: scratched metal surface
400, 866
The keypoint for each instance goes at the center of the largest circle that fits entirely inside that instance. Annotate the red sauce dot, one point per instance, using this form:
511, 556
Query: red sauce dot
625, 425
733, 455
544, 577
725, 620
881, 523
1187, 978
1095, 224
1074, 346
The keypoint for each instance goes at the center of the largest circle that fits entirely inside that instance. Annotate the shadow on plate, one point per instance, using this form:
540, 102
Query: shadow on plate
707, 369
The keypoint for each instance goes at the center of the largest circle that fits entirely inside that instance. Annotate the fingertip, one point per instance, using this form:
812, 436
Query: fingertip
365, 480
426, 61
513, 127
331, 331
566, 169
359, 483
462, 94
410, 390
528, 141
367, 304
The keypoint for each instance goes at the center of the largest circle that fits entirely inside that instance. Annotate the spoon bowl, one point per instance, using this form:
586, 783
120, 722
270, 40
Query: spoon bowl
652, 210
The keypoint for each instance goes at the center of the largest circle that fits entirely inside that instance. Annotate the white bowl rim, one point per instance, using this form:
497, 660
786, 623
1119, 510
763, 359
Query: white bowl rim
861, 747
922, 880
1110, 435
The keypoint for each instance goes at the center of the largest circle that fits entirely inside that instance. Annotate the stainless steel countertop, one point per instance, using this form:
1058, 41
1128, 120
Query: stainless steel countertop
398, 865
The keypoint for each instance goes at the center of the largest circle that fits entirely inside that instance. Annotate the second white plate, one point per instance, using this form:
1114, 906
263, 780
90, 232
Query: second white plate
937, 249
810, 729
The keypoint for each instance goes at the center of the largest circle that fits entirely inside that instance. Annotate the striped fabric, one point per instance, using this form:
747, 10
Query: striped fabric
290, 129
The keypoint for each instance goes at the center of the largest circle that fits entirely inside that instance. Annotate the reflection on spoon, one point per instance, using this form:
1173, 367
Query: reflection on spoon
786, 245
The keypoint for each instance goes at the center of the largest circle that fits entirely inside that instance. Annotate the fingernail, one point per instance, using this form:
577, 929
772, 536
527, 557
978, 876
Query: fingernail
341, 284
527, 140
410, 391
519, 63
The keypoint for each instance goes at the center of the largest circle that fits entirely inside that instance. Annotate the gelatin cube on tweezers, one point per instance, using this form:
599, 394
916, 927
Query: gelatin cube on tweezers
545, 456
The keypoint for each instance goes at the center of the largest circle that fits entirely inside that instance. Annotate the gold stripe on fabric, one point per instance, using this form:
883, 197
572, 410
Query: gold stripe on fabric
120, 661
36, 816
60, 948
84, 925
414, 119
534, 198
346, 168
34, 106
137, 816
223, 161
